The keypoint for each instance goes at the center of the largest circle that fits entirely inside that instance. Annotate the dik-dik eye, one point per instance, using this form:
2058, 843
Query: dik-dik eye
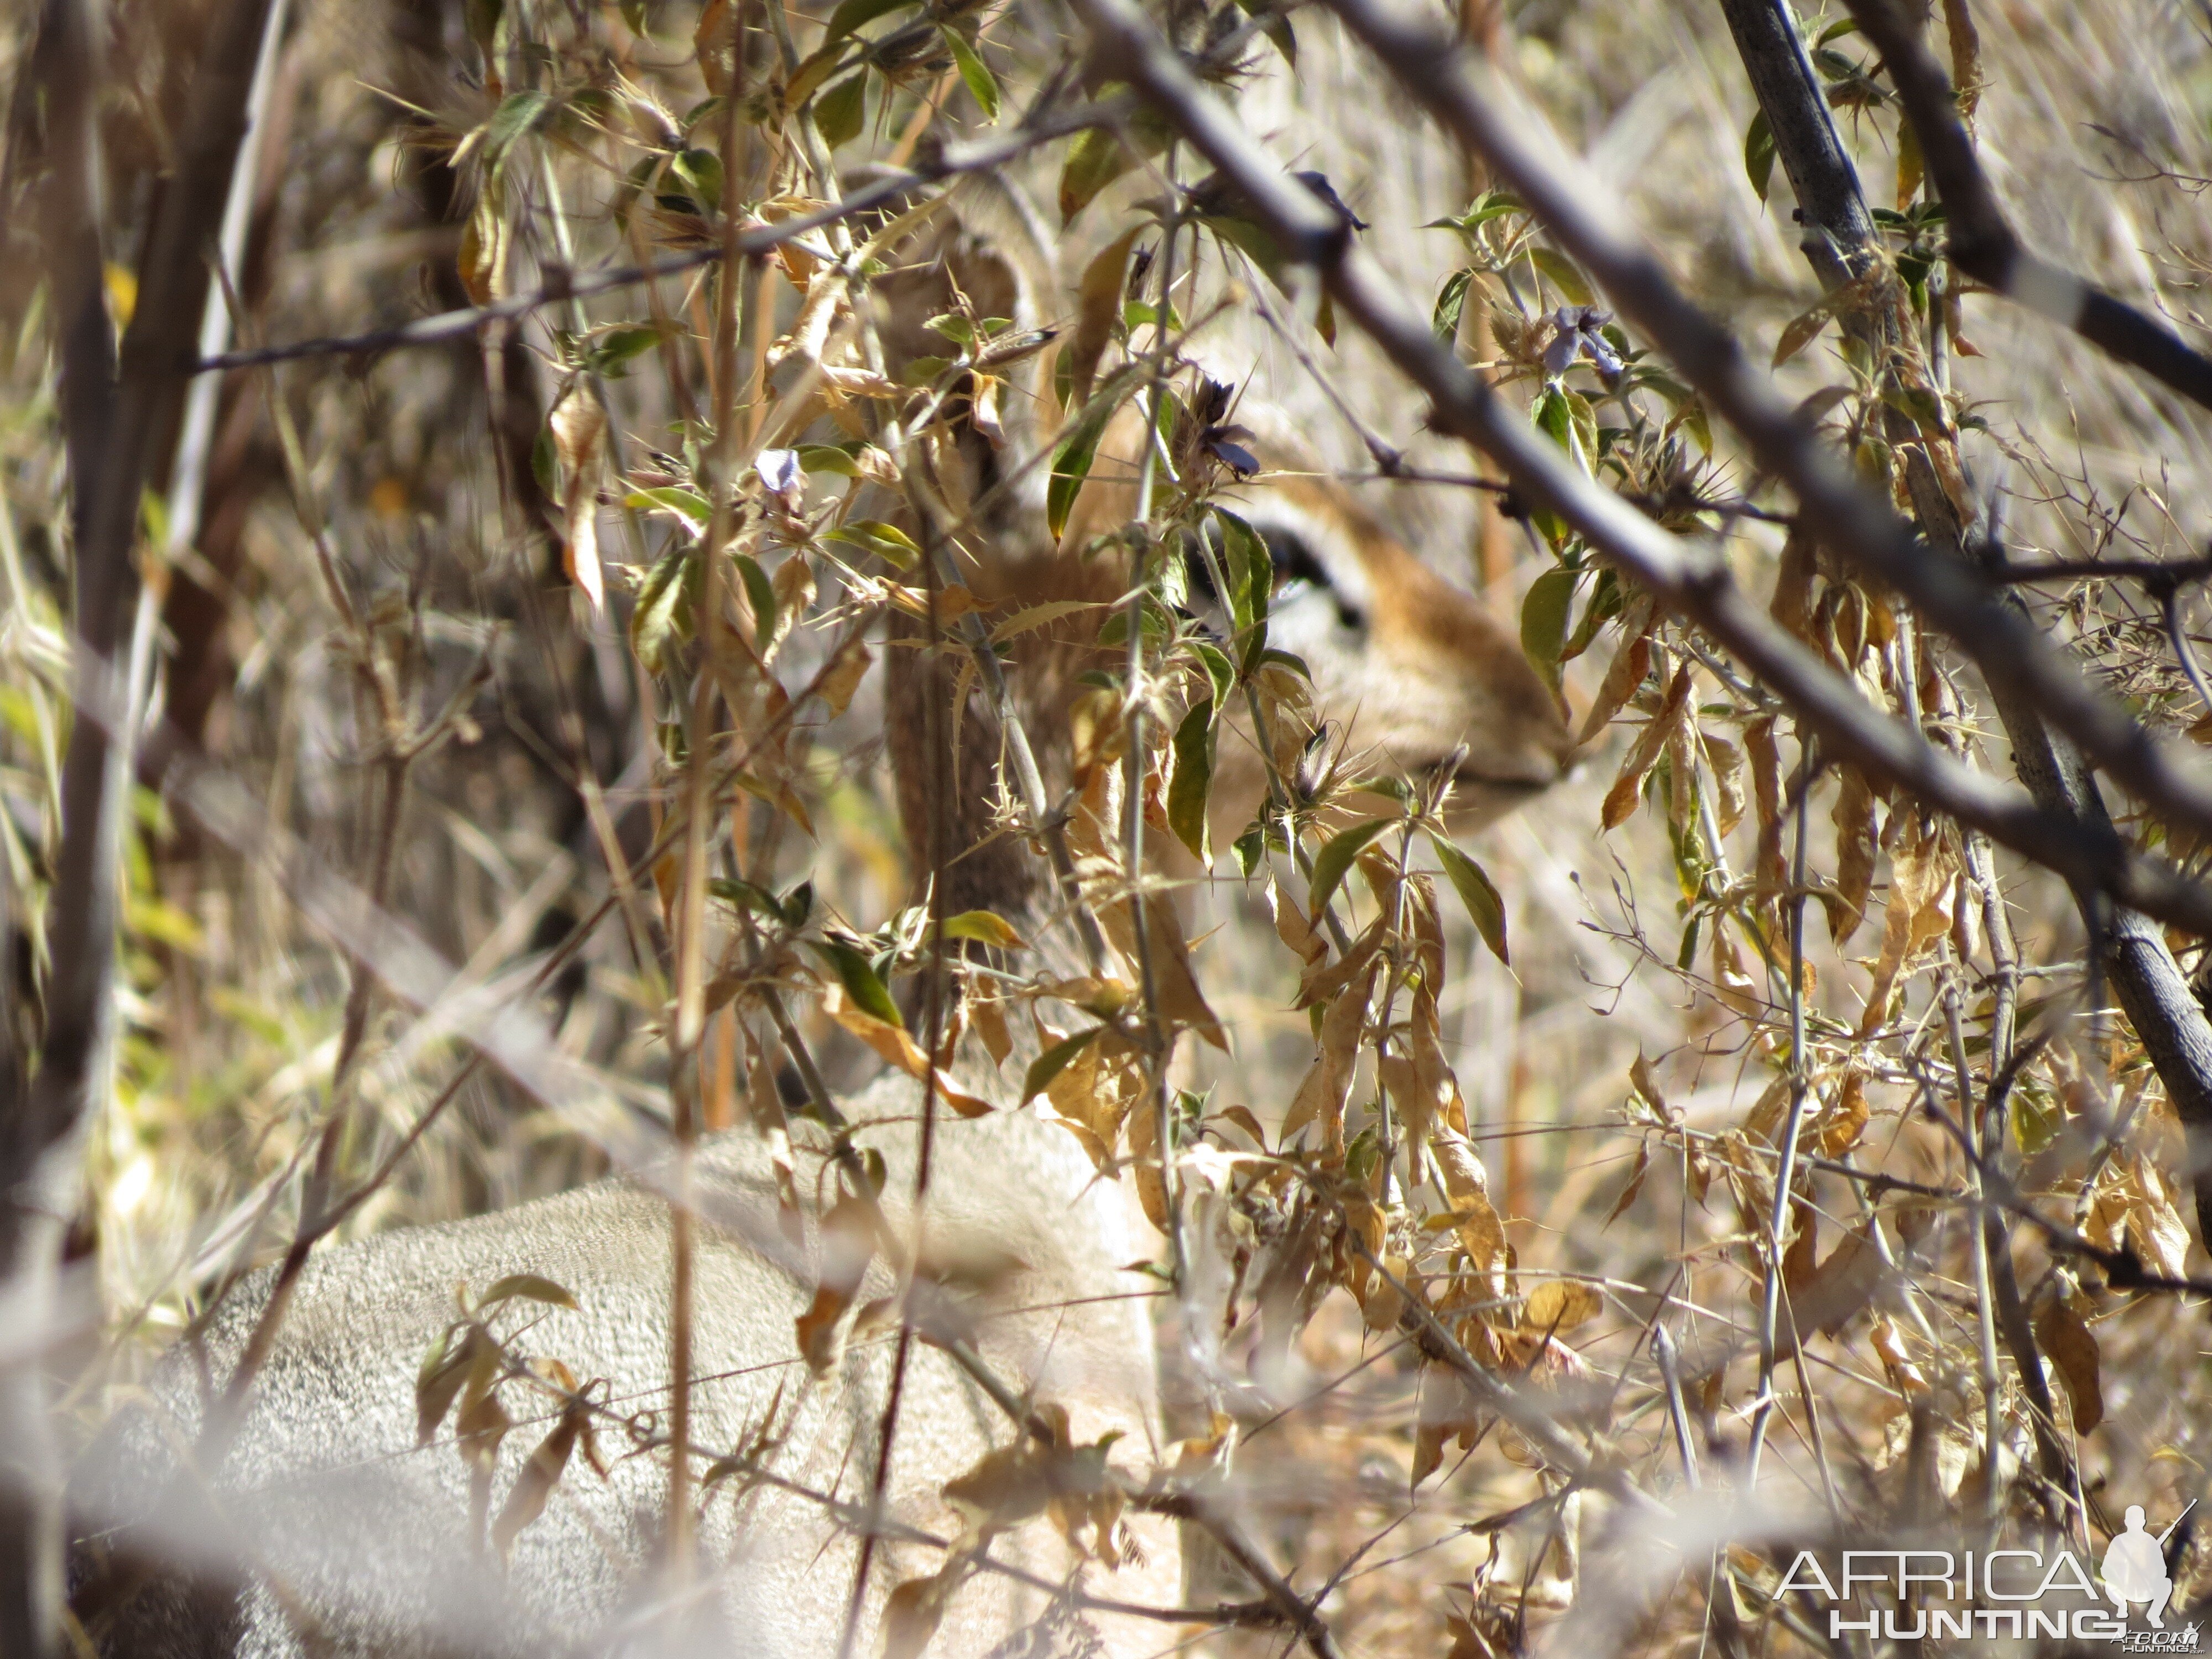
1298, 572
1297, 569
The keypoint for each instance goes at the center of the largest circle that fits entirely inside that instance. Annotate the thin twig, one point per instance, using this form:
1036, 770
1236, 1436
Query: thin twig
449, 326
1785, 1174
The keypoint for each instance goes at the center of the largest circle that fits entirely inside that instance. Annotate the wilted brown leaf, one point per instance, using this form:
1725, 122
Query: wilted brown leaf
1561, 1304
1632, 660
1845, 1120
1853, 816
1620, 800
1098, 307
913, 1611
526, 1500
1923, 867
2066, 1338
579, 435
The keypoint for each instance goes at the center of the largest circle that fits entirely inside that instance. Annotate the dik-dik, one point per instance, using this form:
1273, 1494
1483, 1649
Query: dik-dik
326, 1529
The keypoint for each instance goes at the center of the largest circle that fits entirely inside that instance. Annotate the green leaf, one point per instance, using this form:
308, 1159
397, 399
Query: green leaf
828, 458
855, 14
1544, 620
1555, 418
842, 112
480, 18
1275, 26
982, 85
825, 61
1333, 861
1097, 157
1251, 574
659, 602
887, 541
688, 505
745, 897
1607, 601
701, 170
760, 595
1193, 780
1585, 423
1073, 456
1251, 850
859, 980
544, 465
1240, 549
532, 1287
1564, 274
1053, 1060
517, 116
1473, 885
1491, 204
798, 905
985, 927
1451, 306
1219, 671
612, 352
1759, 155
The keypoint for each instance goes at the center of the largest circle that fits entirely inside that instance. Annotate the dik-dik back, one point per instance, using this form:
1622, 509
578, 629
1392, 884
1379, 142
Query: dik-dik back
327, 1528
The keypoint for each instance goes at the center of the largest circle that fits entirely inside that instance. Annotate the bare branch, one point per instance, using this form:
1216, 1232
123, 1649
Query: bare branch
2148, 982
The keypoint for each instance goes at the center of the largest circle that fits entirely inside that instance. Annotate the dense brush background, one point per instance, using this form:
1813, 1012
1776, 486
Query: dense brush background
2094, 125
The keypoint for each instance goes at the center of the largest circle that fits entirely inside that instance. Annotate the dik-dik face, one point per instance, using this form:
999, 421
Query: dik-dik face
1408, 673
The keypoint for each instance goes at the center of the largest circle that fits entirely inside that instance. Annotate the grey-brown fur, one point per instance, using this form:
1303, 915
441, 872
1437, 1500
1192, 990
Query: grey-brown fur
325, 1492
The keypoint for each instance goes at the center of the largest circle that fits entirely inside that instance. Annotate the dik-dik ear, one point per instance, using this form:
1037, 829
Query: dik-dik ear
949, 271
984, 253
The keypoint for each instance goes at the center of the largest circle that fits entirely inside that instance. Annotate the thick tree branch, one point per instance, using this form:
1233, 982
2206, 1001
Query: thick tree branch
1982, 243
1459, 91
42, 1126
1690, 577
